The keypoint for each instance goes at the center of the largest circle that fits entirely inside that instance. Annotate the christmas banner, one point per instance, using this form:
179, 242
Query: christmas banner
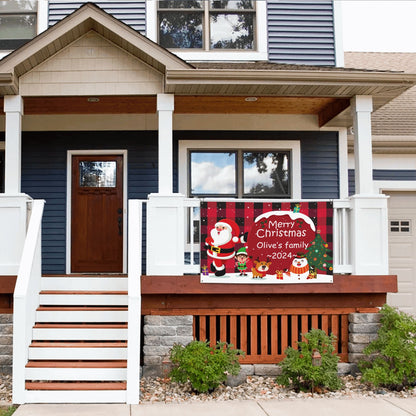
254, 242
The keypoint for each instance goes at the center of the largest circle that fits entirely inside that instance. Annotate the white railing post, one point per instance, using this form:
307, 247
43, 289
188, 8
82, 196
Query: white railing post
369, 235
26, 299
165, 235
134, 300
342, 237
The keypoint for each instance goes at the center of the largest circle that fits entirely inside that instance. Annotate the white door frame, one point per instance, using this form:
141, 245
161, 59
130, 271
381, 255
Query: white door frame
94, 152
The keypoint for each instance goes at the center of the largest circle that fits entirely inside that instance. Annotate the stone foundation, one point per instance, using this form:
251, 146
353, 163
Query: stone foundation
363, 329
160, 334
6, 343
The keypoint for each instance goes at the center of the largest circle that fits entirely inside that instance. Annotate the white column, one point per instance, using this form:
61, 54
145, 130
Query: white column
13, 108
369, 228
362, 106
165, 106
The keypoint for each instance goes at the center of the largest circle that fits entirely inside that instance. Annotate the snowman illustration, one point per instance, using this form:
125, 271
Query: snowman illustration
299, 268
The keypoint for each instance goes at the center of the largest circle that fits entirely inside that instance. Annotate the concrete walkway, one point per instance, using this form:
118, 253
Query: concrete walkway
310, 407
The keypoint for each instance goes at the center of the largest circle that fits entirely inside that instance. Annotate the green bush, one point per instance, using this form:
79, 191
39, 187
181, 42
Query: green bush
203, 366
298, 371
391, 359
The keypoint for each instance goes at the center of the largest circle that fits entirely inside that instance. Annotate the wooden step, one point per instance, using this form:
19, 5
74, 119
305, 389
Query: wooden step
59, 344
87, 334
83, 298
75, 396
79, 325
77, 364
76, 373
85, 283
81, 314
32, 385
97, 352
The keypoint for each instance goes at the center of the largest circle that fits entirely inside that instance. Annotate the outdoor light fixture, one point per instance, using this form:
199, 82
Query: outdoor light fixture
93, 99
316, 358
250, 99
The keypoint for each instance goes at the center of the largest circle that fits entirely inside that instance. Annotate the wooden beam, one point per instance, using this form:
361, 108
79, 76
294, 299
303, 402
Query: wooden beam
342, 284
331, 110
7, 284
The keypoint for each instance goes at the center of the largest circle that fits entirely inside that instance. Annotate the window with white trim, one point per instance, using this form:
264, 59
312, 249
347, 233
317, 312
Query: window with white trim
18, 22
240, 169
207, 24
210, 29
239, 173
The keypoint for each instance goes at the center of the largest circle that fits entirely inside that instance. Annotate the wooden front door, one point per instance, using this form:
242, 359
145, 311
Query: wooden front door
97, 214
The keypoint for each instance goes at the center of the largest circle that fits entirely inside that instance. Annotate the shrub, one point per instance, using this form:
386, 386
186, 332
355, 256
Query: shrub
203, 366
391, 359
298, 371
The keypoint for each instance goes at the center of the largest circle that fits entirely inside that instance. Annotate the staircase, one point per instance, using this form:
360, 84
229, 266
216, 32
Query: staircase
79, 348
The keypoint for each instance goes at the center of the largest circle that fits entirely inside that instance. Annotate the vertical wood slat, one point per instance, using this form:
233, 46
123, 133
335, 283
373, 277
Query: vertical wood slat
274, 331
304, 330
233, 330
203, 328
212, 330
284, 333
314, 321
344, 334
223, 328
253, 334
264, 334
335, 330
325, 324
243, 333
295, 329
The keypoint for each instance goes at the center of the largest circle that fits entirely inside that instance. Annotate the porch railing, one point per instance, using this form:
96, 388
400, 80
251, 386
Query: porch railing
26, 299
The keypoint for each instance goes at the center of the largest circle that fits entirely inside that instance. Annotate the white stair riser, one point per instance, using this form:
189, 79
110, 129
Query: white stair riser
52, 353
81, 374
76, 396
64, 299
81, 316
87, 334
85, 283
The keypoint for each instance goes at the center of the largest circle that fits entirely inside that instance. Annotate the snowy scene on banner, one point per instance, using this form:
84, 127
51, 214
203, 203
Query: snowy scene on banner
256, 242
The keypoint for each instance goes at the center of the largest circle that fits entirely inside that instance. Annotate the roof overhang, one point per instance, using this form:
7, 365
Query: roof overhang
200, 87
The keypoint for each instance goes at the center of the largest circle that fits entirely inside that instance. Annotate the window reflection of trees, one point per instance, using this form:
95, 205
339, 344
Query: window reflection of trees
97, 174
279, 173
231, 24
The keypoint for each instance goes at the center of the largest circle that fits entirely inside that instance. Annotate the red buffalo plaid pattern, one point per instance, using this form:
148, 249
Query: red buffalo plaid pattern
244, 214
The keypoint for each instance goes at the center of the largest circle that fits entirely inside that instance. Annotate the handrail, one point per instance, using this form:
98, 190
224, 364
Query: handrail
135, 216
26, 299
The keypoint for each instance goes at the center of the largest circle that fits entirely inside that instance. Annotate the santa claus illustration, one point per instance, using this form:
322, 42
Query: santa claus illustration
220, 244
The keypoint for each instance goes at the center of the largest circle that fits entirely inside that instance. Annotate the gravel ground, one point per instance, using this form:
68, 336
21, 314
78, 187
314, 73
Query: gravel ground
163, 390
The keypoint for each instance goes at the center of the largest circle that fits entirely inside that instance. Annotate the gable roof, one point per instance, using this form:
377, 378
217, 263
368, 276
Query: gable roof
88, 17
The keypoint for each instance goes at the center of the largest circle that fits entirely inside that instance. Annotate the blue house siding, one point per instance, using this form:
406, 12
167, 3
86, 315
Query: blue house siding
301, 32
131, 12
383, 175
44, 170
44, 176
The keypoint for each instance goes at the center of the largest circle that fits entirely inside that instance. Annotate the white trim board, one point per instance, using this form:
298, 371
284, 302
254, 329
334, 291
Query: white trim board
71, 153
292, 145
381, 186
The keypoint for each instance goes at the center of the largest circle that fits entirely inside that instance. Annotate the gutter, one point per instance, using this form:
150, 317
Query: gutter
336, 77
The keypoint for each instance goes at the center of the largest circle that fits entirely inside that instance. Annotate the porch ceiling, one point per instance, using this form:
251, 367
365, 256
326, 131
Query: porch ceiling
324, 107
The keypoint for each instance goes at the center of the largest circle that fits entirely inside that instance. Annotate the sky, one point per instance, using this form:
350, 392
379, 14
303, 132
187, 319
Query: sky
379, 26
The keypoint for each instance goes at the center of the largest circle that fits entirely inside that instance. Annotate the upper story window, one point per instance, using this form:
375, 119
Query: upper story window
18, 22
207, 25
200, 30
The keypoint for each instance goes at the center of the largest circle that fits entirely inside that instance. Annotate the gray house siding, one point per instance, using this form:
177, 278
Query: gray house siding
131, 12
301, 32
